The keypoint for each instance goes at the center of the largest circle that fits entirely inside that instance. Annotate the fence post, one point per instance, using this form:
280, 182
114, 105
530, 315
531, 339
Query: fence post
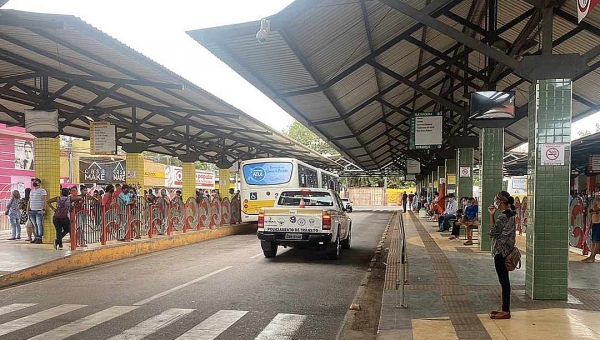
169, 219
103, 235
129, 224
73, 232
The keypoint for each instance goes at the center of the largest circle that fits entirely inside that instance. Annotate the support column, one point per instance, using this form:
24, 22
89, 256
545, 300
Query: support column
464, 179
451, 176
135, 164
188, 174
47, 169
490, 172
548, 189
435, 181
224, 182
441, 175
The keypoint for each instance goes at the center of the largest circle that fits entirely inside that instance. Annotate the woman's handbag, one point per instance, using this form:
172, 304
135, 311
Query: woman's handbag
513, 259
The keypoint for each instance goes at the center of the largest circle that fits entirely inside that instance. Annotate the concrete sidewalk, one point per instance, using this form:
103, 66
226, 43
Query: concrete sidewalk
21, 261
451, 289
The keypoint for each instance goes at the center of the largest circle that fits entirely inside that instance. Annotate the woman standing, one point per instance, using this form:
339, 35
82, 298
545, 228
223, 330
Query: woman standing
13, 213
503, 234
23, 204
61, 220
595, 212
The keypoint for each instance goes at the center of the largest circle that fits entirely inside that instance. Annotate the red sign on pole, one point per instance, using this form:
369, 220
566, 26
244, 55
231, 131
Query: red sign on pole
584, 7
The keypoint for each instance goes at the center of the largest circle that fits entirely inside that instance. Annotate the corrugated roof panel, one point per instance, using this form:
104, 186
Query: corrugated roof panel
386, 22
355, 89
273, 60
315, 106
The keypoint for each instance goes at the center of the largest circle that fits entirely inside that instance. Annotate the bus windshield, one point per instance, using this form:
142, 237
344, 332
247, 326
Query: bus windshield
268, 173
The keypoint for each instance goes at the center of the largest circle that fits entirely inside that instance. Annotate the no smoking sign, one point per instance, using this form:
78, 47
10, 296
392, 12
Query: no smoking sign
553, 154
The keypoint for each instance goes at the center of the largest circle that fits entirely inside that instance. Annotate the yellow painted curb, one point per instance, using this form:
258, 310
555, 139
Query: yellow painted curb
116, 252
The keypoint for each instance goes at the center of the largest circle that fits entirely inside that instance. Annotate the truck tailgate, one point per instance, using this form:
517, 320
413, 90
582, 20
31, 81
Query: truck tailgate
293, 220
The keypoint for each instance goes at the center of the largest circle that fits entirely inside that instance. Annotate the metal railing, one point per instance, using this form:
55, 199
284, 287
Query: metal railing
403, 277
93, 223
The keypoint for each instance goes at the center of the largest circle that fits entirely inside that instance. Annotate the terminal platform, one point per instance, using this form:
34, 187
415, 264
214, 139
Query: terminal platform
452, 288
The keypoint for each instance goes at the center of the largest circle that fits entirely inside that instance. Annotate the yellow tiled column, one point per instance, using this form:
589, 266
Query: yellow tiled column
224, 182
47, 169
135, 169
189, 180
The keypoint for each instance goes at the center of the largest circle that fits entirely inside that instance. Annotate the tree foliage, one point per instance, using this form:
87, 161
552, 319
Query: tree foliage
587, 132
304, 136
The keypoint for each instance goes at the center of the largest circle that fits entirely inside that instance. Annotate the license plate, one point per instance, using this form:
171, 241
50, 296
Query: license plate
293, 236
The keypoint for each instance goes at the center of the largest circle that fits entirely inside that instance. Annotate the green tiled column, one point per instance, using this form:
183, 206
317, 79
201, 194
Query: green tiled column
464, 185
490, 172
548, 191
435, 180
451, 172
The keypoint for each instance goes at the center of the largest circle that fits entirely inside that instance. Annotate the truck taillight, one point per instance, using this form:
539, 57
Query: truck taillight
326, 221
261, 220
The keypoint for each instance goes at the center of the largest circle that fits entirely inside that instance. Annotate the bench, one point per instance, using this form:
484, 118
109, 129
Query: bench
474, 227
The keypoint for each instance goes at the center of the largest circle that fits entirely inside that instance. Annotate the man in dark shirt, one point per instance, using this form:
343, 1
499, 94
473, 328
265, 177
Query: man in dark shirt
404, 201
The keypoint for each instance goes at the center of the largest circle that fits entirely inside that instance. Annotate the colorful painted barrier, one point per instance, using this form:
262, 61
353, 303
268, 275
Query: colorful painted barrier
93, 223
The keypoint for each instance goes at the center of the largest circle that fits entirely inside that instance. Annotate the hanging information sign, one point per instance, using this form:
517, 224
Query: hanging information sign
426, 130
103, 138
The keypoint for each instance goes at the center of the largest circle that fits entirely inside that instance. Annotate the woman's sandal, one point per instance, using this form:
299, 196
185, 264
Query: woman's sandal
468, 243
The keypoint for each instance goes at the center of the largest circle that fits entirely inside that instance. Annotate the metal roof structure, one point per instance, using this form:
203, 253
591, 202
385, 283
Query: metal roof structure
354, 70
60, 62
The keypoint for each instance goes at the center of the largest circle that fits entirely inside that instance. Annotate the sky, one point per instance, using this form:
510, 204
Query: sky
157, 29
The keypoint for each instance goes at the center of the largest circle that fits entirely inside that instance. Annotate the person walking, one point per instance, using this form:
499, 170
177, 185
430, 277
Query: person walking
37, 209
404, 201
13, 213
61, 220
503, 234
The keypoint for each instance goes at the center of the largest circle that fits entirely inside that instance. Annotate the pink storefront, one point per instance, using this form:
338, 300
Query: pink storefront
16, 161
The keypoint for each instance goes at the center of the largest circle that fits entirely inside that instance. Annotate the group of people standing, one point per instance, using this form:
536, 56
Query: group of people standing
28, 210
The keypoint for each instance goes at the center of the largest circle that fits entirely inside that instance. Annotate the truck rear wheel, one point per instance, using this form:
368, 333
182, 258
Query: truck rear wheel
333, 251
269, 249
348, 240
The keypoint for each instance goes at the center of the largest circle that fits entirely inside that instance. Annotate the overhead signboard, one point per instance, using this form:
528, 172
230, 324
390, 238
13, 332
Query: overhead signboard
594, 163
413, 166
519, 183
553, 154
584, 7
426, 130
103, 138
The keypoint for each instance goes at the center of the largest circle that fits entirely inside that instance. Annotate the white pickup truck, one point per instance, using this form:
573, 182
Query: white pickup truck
304, 217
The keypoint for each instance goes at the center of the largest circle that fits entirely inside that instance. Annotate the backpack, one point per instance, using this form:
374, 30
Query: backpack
513, 259
63, 207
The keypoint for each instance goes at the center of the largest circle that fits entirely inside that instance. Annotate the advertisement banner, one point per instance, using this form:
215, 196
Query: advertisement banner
174, 178
102, 171
267, 173
24, 155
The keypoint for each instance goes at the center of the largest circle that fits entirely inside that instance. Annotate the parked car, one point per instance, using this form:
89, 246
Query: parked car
348, 204
305, 218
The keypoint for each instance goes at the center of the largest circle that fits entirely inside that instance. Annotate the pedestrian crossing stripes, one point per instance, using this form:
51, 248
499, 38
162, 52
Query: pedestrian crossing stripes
86, 323
153, 324
281, 327
27, 321
214, 325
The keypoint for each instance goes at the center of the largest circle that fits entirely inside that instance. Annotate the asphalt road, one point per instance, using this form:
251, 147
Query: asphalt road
219, 289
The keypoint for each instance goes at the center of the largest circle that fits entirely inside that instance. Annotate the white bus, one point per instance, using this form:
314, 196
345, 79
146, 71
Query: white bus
262, 179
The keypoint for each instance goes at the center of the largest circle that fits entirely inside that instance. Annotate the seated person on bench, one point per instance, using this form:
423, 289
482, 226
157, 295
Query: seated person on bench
449, 214
456, 225
470, 220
